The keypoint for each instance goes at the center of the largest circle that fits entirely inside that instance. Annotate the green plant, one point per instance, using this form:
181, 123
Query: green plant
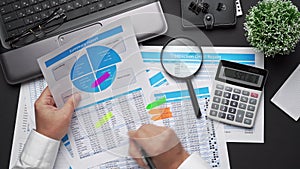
273, 27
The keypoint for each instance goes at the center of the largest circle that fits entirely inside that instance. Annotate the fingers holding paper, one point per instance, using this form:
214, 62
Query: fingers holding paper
50, 120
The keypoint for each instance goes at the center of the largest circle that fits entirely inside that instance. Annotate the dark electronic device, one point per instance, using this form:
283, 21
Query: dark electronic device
30, 29
208, 13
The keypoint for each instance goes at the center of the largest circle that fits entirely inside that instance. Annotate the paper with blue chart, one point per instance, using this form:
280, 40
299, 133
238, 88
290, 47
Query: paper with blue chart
212, 55
107, 70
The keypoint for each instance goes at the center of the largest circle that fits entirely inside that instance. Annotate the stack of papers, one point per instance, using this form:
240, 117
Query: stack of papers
116, 87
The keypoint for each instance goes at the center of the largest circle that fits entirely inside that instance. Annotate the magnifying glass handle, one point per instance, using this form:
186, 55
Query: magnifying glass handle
193, 98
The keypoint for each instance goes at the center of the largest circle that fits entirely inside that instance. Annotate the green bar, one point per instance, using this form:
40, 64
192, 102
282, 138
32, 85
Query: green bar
104, 119
156, 103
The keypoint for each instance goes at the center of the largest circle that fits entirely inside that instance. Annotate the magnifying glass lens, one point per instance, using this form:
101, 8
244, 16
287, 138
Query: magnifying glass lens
181, 57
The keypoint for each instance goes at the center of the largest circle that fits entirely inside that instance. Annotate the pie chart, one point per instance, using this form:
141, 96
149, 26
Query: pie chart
95, 70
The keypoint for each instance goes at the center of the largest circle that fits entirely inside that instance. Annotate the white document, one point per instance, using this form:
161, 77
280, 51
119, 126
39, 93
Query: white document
202, 136
212, 56
107, 70
25, 122
287, 97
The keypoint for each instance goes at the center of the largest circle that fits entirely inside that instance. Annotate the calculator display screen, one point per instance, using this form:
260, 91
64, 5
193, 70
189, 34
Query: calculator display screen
239, 75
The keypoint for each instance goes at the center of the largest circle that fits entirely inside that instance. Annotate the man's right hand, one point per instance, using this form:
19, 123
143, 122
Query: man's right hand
161, 143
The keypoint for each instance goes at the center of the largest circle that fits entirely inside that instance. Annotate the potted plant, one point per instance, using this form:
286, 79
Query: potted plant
273, 27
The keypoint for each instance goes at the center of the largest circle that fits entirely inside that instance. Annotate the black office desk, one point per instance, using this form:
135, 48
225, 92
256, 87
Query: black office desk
281, 149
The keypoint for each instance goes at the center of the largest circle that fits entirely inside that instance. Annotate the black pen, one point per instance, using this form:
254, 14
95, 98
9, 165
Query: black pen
147, 159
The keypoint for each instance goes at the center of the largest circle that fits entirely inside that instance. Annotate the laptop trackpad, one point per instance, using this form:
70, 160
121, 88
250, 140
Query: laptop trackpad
78, 33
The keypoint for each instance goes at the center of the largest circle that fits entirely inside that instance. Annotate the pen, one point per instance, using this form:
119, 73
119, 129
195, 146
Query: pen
147, 159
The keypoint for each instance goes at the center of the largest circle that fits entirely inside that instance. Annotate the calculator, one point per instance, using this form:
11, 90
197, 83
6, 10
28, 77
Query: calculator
236, 93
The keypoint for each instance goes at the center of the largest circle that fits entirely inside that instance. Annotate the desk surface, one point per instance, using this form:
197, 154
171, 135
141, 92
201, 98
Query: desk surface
282, 139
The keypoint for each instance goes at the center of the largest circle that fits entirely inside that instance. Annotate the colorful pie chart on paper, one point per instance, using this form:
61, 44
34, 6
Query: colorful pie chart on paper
95, 70
100, 80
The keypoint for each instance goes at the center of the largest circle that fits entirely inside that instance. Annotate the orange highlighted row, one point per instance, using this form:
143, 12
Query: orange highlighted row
159, 111
160, 114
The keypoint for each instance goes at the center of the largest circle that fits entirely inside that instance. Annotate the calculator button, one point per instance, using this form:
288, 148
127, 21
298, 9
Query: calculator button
233, 103
235, 97
230, 117
232, 110
229, 89
251, 108
225, 101
242, 106
226, 95
249, 114
244, 99
255, 95
224, 108
220, 86
222, 115
246, 93
218, 93
238, 91
215, 106
240, 116
216, 99
253, 101
213, 113
248, 121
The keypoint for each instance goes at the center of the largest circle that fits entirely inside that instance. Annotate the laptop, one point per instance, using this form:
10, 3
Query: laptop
69, 19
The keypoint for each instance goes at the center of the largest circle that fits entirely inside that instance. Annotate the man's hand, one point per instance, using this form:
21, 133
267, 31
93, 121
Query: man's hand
161, 143
51, 121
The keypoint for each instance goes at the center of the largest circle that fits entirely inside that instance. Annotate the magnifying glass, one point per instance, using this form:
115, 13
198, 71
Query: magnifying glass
184, 64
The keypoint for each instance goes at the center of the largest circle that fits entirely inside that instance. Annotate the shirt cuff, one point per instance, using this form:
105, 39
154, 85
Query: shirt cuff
194, 161
39, 151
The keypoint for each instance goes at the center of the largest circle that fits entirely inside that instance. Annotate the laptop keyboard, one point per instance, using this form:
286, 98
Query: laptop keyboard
19, 15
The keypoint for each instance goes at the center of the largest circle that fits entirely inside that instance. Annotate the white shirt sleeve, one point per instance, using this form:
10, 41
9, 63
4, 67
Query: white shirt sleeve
194, 161
39, 152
